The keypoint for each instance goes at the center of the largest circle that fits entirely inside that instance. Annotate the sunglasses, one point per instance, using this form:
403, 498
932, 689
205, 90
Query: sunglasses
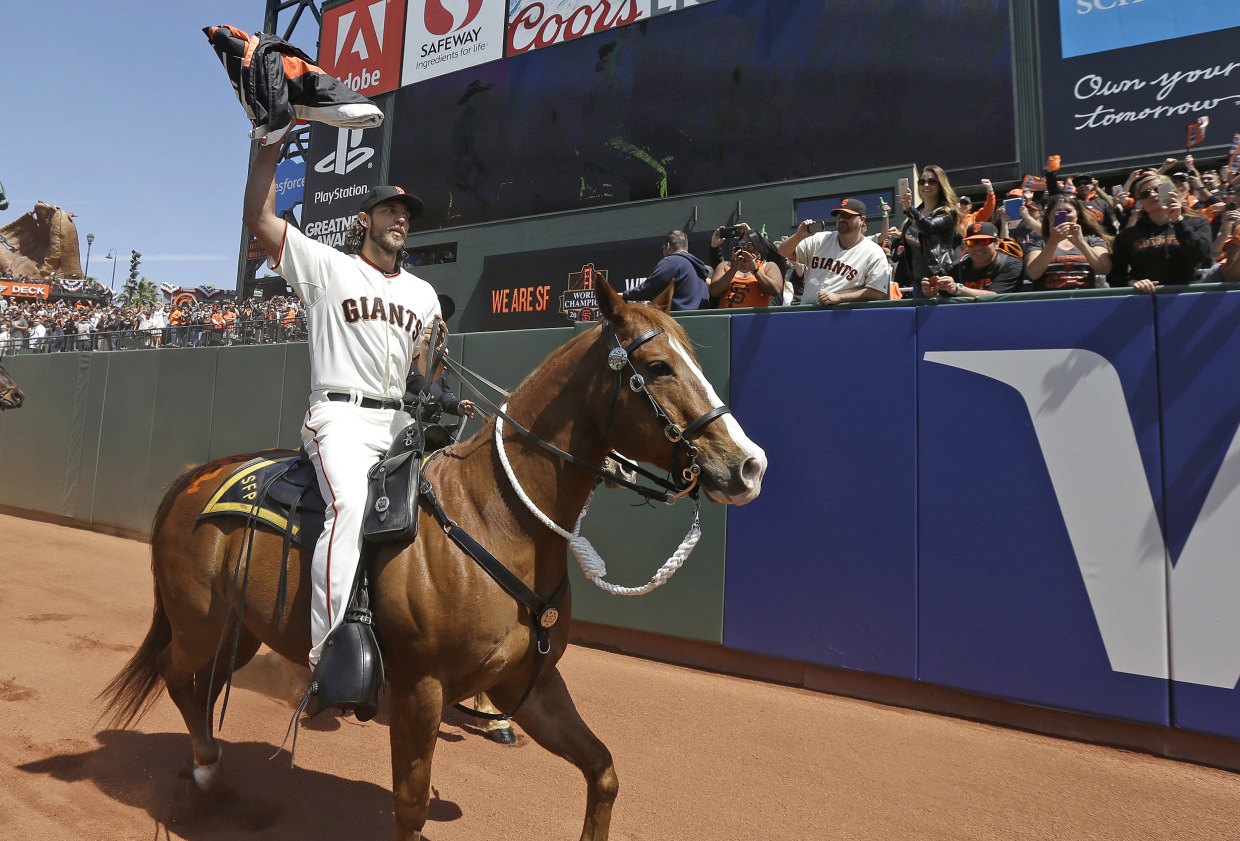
1145, 194
927, 181
978, 241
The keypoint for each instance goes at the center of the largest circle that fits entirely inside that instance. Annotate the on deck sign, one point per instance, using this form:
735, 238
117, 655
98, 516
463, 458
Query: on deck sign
361, 44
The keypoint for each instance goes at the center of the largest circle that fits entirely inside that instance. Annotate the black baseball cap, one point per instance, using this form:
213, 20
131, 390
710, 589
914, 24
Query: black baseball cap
850, 206
981, 230
384, 192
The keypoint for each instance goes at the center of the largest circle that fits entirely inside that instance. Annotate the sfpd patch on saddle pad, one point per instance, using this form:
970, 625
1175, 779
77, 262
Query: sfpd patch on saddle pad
273, 490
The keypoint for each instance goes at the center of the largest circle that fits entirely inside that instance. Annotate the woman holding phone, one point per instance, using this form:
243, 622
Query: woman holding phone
1074, 252
1166, 243
931, 236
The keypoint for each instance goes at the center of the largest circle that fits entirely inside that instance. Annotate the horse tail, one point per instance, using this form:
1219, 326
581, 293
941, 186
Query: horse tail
133, 690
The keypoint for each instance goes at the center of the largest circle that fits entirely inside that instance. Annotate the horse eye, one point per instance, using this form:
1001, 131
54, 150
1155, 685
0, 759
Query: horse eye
659, 368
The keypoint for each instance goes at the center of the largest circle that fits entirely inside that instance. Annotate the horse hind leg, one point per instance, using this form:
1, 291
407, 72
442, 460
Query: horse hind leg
209, 683
192, 689
550, 718
498, 731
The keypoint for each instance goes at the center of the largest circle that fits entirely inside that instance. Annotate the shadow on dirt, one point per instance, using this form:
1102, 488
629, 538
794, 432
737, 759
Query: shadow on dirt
268, 798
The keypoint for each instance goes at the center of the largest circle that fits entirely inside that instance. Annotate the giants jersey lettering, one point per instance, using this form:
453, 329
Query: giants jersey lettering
836, 269
362, 323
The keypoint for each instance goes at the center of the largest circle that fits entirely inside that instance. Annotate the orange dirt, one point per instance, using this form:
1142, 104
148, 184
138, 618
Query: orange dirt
700, 756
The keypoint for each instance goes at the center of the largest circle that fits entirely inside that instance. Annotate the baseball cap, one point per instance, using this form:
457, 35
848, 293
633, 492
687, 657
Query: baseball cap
384, 192
965, 200
981, 230
1015, 193
850, 206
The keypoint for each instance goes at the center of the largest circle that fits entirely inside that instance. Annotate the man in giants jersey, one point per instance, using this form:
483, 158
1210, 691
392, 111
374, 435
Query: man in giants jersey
364, 313
841, 265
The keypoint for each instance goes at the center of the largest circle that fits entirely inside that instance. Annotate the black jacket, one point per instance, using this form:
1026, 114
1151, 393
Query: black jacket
1163, 253
280, 83
931, 245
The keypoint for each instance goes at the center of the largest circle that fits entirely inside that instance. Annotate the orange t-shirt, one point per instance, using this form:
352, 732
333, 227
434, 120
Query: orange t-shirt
745, 291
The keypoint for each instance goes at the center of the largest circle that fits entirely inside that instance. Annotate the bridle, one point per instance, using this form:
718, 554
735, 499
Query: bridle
619, 359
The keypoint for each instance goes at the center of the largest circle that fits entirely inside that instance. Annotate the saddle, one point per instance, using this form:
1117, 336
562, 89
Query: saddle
281, 491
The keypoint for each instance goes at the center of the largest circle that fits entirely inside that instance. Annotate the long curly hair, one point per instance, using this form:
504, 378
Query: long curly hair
356, 235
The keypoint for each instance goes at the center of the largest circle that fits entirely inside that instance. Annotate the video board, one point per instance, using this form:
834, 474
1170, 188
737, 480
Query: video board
720, 95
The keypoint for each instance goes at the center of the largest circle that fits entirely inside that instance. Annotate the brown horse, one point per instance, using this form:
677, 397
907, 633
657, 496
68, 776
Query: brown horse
11, 397
448, 630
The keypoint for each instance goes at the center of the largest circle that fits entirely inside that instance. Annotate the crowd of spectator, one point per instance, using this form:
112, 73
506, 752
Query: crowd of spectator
1174, 224
1168, 225
55, 327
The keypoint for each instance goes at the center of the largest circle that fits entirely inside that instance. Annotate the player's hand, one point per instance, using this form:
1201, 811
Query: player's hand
466, 408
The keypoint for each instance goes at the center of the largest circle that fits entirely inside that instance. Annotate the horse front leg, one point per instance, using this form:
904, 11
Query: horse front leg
550, 718
417, 709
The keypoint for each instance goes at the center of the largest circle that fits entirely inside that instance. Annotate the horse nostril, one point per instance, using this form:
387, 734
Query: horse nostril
751, 471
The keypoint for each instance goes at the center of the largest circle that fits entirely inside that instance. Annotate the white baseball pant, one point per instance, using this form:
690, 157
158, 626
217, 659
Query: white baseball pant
343, 440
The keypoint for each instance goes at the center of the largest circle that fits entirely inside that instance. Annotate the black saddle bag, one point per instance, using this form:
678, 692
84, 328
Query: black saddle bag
392, 501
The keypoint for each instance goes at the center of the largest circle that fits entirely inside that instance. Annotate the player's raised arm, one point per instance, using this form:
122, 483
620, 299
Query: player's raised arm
259, 212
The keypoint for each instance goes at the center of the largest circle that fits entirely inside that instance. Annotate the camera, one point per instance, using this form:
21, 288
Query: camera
731, 231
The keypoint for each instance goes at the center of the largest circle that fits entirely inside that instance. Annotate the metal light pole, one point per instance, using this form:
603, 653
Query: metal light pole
90, 240
112, 256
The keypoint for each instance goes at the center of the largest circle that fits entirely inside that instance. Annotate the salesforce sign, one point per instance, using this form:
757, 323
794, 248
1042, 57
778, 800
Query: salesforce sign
290, 184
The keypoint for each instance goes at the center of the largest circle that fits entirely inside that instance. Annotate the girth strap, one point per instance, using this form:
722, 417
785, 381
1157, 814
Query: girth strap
542, 613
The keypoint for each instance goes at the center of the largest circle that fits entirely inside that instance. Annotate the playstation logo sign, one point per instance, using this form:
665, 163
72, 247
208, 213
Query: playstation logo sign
348, 155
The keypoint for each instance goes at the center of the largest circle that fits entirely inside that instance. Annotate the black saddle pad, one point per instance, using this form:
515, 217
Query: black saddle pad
273, 489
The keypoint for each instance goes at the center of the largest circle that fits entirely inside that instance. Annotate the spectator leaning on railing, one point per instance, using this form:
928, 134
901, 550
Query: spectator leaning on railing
1164, 244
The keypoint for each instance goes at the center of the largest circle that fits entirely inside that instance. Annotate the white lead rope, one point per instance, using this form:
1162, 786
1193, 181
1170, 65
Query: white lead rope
591, 564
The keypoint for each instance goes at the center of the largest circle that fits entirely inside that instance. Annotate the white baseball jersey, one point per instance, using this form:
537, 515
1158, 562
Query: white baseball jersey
362, 322
841, 270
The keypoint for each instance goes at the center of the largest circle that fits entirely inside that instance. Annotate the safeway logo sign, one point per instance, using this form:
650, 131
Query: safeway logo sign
348, 155
441, 18
1155, 619
446, 35
361, 44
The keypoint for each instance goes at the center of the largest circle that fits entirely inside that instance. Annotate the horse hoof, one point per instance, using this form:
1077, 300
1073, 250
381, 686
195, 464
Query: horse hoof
207, 777
502, 736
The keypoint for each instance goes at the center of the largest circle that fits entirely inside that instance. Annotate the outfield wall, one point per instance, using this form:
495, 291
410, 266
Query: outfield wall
1029, 500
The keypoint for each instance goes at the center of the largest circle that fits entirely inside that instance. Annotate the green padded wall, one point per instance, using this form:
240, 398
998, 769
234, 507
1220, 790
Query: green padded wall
32, 471
296, 391
249, 395
96, 387
180, 434
128, 416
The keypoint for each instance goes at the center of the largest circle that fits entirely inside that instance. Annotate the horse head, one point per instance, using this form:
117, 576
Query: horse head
661, 408
11, 397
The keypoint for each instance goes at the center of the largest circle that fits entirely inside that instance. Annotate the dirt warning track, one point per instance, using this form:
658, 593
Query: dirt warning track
700, 756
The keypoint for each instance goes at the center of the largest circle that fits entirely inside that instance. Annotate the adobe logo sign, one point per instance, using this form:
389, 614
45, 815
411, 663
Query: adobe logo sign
361, 43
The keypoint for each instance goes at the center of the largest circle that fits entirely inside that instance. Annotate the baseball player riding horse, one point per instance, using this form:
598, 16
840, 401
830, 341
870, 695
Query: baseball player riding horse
11, 397
448, 628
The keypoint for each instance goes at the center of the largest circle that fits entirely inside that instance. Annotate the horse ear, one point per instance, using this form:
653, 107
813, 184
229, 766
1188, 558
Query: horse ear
664, 299
609, 301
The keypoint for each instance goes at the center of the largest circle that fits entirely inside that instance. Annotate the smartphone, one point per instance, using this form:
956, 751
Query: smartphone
1012, 207
731, 231
1164, 193
1060, 217
815, 227
901, 188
